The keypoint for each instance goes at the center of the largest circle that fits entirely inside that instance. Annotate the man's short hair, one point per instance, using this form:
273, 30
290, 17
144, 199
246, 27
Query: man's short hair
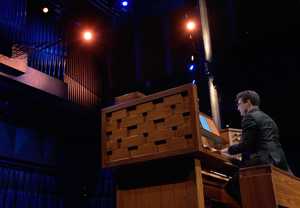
249, 95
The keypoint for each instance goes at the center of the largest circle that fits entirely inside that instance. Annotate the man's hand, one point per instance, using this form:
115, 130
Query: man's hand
235, 159
224, 151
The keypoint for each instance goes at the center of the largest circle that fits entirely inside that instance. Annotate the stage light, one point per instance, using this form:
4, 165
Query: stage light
87, 35
192, 58
190, 25
124, 3
45, 10
191, 67
194, 81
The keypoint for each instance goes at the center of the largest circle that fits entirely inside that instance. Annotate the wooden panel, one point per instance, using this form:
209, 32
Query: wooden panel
165, 123
176, 195
144, 149
287, 189
173, 184
213, 186
131, 121
267, 186
146, 107
119, 114
231, 136
257, 191
199, 184
132, 141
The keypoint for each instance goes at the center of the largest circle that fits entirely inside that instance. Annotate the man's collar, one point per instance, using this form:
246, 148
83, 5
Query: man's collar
253, 108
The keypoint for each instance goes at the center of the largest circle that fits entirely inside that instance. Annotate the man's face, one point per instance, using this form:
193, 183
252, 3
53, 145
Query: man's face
243, 107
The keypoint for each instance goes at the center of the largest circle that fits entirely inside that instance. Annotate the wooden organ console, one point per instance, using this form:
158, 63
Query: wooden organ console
161, 151
164, 151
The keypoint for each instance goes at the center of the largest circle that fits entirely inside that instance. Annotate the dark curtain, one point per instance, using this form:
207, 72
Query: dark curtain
28, 189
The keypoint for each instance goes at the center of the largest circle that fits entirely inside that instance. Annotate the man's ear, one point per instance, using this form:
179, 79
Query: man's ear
249, 102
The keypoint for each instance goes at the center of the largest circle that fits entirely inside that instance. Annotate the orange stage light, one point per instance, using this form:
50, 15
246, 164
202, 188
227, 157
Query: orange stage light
190, 25
87, 35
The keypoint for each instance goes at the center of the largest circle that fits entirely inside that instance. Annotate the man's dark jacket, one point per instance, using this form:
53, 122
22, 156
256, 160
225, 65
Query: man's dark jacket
260, 141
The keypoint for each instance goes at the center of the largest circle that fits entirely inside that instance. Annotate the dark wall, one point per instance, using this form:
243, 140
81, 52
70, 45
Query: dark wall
45, 134
151, 49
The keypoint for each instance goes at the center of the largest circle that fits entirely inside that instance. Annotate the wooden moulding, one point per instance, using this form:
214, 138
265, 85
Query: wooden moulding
160, 125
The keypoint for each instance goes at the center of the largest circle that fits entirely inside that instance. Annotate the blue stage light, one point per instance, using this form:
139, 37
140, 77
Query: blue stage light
191, 67
194, 81
124, 3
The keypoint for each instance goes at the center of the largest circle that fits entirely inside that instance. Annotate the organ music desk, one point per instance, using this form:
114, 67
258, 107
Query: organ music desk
162, 151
